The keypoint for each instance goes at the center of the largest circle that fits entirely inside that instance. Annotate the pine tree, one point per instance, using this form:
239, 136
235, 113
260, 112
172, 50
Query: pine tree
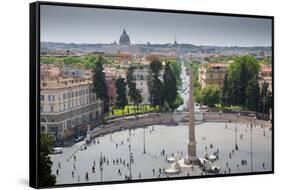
170, 86
134, 93
121, 100
155, 85
265, 99
130, 80
99, 83
225, 90
252, 94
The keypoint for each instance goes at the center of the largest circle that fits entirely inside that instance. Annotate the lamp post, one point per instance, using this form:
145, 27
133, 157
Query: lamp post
101, 166
264, 99
144, 141
236, 145
251, 141
130, 156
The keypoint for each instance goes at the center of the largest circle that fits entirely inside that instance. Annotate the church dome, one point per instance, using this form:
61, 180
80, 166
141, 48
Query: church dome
124, 39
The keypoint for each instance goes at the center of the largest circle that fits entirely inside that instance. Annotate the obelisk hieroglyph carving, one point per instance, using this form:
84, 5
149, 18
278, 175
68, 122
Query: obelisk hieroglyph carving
191, 144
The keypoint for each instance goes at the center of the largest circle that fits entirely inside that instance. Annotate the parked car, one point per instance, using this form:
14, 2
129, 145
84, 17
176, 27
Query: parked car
79, 138
57, 150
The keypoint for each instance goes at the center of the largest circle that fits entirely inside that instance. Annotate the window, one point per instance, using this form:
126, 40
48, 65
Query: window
51, 98
42, 97
76, 93
41, 109
211, 75
51, 108
68, 95
64, 96
68, 123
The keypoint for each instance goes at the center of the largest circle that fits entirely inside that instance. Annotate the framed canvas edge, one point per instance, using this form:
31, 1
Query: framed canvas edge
34, 91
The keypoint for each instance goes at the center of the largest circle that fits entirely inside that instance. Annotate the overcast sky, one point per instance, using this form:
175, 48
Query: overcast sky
91, 25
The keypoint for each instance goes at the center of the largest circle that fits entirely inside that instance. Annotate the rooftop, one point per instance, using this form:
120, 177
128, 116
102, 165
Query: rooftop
61, 82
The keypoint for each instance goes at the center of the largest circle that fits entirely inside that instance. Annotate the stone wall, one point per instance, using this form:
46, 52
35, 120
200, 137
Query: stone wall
230, 117
168, 118
131, 123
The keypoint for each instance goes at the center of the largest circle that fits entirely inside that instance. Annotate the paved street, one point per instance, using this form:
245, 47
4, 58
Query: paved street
170, 138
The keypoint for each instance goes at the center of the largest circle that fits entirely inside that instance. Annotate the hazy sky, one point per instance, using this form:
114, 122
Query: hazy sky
91, 25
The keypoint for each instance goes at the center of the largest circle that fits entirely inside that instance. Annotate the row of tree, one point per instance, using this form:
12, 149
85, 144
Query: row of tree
134, 94
163, 93
241, 86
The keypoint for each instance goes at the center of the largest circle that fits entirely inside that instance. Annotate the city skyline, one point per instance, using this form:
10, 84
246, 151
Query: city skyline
62, 24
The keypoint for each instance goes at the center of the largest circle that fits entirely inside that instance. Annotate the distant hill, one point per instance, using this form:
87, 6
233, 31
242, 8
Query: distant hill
45, 46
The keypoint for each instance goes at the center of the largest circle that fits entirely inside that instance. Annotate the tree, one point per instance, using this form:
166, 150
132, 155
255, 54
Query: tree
211, 95
243, 81
99, 82
252, 94
130, 81
239, 74
121, 100
265, 99
46, 148
170, 86
155, 67
176, 70
225, 90
178, 101
134, 93
137, 98
155, 85
198, 95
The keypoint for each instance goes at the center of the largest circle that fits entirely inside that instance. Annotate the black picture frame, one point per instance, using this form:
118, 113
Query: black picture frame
34, 90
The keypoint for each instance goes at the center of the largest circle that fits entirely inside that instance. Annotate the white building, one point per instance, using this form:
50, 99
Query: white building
67, 105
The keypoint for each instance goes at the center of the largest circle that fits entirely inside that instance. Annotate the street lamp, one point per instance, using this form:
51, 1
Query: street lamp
130, 156
236, 145
264, 99
144, 141
251, 141
101, 166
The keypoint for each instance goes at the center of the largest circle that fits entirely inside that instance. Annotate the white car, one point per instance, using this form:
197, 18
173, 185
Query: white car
57, 150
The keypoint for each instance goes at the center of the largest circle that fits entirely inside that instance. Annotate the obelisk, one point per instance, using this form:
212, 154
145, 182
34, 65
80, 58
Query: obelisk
191, 144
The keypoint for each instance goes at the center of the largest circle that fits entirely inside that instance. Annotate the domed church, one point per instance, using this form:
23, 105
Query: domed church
124, 39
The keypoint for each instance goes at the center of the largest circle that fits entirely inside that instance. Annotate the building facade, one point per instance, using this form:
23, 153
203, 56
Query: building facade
212, 74
67, 105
